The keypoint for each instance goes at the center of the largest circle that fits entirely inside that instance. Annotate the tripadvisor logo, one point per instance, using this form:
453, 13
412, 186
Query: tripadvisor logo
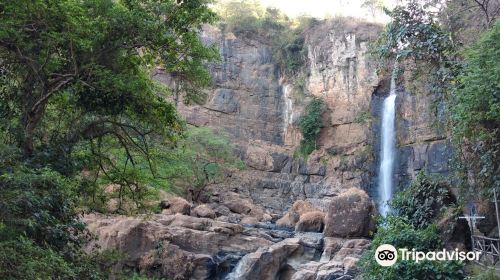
387, 255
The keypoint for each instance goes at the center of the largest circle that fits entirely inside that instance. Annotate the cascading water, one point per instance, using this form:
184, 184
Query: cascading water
388, 146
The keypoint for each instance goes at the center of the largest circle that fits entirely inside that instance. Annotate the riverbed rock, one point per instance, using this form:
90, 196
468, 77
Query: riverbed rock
180, 246
264, 264
350, 214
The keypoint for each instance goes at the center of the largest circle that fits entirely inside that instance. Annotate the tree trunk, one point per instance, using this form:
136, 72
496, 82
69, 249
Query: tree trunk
30, 120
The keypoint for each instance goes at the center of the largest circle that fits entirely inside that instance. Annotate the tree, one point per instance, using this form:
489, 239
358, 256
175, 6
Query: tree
76, 100
96, 53
475, 110
423, 201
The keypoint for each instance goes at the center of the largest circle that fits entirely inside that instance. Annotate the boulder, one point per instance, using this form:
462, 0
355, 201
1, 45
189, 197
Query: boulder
288, 220
175, 205
203, 211
265, 263
351, 214
292, 216
311, 221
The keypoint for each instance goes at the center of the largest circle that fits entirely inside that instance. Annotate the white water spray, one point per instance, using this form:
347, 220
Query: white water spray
388, 146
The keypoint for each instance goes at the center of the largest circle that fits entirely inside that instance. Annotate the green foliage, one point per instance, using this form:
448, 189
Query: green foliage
482, 274
22, 259
475, 110
207, 158
310, 125
97, 53
401, 234
79, 112
463, 84
413, 33
199, 158
422, 202
40, 205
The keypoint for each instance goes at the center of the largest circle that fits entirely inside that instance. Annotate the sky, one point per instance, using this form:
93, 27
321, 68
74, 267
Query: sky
328, 8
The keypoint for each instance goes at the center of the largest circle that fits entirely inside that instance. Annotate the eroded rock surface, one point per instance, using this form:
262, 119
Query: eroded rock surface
351, 214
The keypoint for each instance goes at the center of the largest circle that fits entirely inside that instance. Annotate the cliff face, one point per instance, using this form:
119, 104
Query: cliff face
247, 99
259, 110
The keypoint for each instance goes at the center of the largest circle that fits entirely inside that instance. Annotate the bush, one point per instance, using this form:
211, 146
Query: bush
21, 259
310, 125
39, 204
422, 201
401, 234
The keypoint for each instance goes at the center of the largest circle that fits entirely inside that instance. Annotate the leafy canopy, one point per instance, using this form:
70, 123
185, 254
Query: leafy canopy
96, 54
475, 110
76, 100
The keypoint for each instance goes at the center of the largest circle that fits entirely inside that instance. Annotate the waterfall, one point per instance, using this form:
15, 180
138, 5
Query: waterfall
288, 112
388, 146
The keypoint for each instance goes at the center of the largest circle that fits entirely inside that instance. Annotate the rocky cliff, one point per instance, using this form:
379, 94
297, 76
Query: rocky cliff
285, 217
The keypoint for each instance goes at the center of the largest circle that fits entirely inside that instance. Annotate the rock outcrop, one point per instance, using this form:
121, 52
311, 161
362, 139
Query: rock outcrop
186, 247
351, 214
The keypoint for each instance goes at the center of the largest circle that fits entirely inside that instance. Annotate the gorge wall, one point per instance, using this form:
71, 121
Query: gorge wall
259, 110
284, 217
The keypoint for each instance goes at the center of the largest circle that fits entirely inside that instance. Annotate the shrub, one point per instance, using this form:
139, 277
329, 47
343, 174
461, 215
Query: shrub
39, 203
475, 112
401, 234
21, 259
422, 201
310, 125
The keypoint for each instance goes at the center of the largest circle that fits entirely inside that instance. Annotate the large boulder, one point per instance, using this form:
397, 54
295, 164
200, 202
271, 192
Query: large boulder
351, 214
203, 211
311, 221
175, 205
292, 216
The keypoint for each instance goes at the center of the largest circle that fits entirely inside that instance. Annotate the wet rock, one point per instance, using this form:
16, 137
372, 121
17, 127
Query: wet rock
350, 214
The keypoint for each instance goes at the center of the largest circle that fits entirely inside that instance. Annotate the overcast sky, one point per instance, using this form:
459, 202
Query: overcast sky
322, 8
